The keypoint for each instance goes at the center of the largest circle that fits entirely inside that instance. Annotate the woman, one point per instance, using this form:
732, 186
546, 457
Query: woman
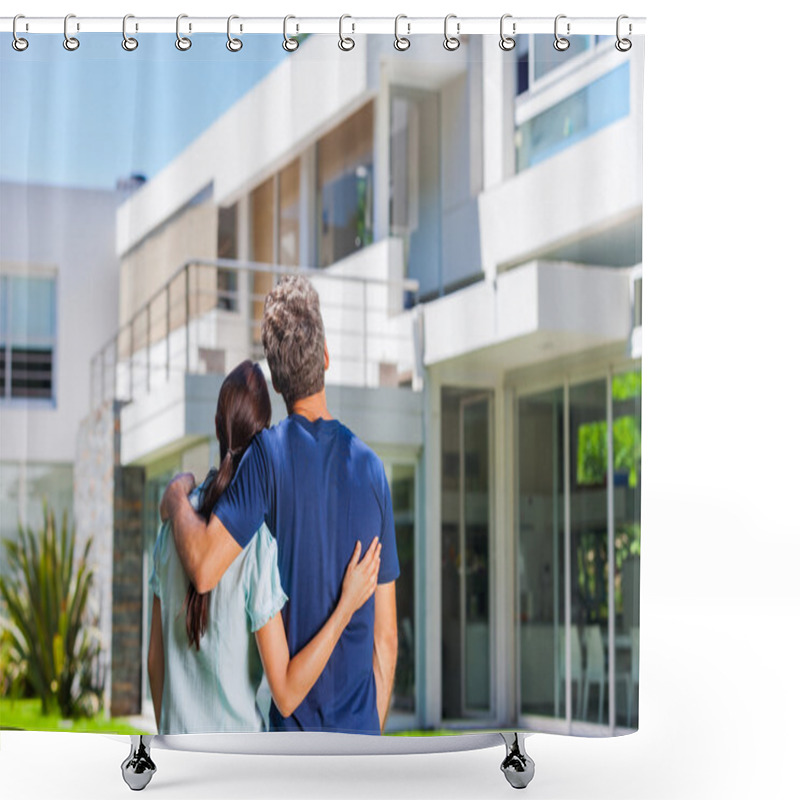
203, 663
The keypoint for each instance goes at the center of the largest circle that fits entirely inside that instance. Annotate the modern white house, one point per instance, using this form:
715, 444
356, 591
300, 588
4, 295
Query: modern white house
472, 221
59, 279
59, 292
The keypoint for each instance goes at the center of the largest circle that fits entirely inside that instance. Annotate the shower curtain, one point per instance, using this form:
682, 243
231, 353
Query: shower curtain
470, 218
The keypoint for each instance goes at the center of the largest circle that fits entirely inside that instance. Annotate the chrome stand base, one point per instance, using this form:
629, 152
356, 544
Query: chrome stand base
517, 766
138, 768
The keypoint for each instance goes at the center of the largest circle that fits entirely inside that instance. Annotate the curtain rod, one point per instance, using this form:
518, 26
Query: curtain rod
407, 25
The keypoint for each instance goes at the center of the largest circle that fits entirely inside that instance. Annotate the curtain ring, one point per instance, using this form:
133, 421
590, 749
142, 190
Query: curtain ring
233, 44
70, 42
401, 43
451, 43
290, 44
560, 43
623, 45
128, 42
18, 43
182, 42
507, 42
345, 42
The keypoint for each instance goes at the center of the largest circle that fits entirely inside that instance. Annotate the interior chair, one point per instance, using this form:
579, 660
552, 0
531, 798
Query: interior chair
575, 661
595, 669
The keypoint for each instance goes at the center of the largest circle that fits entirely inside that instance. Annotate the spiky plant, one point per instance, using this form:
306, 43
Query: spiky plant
46, 598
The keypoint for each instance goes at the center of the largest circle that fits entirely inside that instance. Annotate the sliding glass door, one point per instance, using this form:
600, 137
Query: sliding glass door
578, 490
540, 553
467, 632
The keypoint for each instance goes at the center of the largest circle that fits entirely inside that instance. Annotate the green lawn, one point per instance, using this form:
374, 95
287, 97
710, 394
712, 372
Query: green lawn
27, 715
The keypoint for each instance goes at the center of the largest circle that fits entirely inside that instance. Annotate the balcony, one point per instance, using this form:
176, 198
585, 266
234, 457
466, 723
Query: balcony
582, 204
537, 312
166, 363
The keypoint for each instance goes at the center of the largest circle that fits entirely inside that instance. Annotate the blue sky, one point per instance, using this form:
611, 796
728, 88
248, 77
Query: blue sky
100, 113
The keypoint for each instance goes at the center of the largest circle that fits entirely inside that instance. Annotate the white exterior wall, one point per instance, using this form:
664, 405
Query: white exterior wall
69, 231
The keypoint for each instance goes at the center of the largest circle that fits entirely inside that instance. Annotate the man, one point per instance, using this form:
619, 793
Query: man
319, 489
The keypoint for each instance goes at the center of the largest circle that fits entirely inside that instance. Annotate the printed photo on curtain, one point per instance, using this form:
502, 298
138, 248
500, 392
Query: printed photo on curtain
320, 383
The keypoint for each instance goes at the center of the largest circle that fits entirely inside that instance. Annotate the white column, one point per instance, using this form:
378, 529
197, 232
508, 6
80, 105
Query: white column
430, 573
498, 121
503, 551
492, 97
381, 155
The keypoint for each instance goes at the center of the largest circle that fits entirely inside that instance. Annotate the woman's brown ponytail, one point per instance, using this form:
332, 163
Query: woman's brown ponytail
243, 409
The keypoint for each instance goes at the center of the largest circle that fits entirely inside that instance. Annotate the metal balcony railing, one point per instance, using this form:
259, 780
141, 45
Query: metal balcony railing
207, 318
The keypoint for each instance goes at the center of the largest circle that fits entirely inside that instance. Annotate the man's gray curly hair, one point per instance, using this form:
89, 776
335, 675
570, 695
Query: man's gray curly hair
294, 339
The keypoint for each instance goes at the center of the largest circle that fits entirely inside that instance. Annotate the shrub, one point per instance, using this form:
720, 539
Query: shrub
53, 640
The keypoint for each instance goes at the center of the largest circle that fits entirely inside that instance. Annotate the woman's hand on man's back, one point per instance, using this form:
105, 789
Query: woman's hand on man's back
361, 577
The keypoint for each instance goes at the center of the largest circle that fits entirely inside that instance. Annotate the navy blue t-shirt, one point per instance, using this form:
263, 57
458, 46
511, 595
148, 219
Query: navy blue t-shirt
319, 489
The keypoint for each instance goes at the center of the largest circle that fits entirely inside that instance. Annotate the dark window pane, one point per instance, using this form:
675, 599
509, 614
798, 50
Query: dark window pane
31, 372
523, 64
344, 187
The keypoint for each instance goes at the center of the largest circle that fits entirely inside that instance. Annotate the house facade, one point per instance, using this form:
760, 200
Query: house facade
472, 221
59, 289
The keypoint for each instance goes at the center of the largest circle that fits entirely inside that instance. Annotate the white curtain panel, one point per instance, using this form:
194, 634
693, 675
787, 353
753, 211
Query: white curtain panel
462, 198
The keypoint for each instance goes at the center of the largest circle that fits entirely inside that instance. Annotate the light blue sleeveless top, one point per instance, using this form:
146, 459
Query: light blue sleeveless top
221, 688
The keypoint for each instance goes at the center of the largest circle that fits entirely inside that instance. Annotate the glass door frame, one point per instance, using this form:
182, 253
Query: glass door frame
486, 396
564, 381
392, 458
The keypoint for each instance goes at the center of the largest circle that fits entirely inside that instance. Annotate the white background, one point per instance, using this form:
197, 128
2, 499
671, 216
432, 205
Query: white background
720, 603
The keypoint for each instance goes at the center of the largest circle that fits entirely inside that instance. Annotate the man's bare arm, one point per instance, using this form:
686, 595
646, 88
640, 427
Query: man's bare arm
206, 550
384, 652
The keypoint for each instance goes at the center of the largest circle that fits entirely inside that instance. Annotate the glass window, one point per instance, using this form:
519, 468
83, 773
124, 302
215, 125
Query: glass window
626, 393
27, 336
289, 215
262, 204
344, 188
574, 118
227, 246
415, 185
523, 64
546, 58
540, 559
466, 522
589, 546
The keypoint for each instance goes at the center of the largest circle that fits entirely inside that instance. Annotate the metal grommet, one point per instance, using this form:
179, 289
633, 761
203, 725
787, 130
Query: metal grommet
345, 42
233, 44
623, 45
70, 42
507, 42
560, 44
18, 43
401, 43
289, 44
451, 43
182, 42
128, 42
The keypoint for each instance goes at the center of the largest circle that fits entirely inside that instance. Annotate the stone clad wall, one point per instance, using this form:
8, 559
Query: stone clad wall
108, 507
126, 638
93, 508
